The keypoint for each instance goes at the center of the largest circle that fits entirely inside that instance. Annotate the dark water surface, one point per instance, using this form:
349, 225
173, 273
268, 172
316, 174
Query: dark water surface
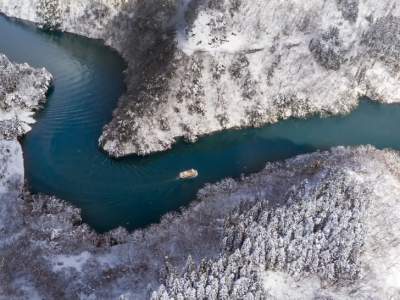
62, 157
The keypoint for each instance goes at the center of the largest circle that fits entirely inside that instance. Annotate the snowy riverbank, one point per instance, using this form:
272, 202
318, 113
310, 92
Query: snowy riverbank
325, 221
332, 222
330, 230
196, 67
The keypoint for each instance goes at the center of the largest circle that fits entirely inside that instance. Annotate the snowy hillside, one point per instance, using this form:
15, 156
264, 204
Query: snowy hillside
318, 226
247, 63
332, 233
88, 18
335, 237
197, 67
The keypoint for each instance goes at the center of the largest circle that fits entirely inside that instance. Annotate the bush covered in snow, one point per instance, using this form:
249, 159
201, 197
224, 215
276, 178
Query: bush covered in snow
49, 13
22, 90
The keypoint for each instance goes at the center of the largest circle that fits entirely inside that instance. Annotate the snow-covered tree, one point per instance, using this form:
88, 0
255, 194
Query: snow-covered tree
49, 13
22, 89
318, 231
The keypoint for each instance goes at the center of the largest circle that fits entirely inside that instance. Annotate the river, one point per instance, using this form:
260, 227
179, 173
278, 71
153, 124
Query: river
62, 157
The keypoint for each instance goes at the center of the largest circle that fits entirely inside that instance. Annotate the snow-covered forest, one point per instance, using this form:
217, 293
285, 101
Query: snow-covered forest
323, 225
196, 67
322, 242
319, 226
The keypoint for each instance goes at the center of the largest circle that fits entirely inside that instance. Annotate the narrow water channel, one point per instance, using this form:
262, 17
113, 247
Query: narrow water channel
62, 157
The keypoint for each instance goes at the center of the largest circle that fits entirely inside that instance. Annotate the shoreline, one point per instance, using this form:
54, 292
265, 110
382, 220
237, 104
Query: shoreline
333, 197
183, 90
66, 248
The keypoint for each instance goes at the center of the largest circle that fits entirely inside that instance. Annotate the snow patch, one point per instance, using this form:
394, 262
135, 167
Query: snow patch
11, 167
71, 261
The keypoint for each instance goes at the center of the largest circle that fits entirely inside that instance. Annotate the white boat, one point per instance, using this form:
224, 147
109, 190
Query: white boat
189, 174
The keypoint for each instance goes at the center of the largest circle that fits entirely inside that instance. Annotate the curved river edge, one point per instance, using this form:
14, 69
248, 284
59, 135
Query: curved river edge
350, 193
135, 192
63, 258
77, 242
254, 63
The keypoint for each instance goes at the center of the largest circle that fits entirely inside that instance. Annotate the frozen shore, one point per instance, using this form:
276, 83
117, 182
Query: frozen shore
197, 67
330, 230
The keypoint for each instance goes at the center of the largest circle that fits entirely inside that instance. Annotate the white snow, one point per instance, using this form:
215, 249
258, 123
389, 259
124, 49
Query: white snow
238, 64
11, 167
380, 275
22, 89
71, 261
258, 24
253, 67
380, 260
77, 16
382, 85
201, 38
279, 285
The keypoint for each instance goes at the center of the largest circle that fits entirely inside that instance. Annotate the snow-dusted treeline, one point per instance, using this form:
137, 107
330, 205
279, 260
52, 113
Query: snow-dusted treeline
333, 238
200, 66
197, 67
22, 90
233, 64
323, 225
88, 18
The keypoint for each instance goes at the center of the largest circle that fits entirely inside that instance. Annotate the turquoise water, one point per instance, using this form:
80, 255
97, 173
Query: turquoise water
62, 157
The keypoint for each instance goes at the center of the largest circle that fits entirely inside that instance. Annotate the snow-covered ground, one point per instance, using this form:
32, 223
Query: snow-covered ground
196, 67
330, 229
88, 18
333, 237
323, 225
248, 63
11, 181
22, 90
11, 167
